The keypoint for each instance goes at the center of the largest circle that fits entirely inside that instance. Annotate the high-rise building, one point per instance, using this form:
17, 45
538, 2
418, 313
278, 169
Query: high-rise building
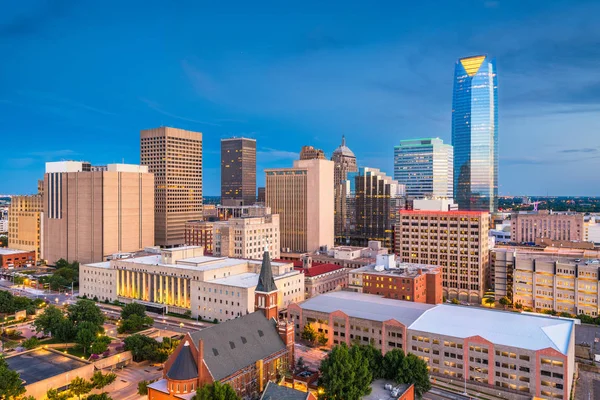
175, 157
475, 134
25, 223
532, 226
238, 171
89, 215
303, 198
311, 153
344, 162
425, 167
455, 240
246, 237
261, 195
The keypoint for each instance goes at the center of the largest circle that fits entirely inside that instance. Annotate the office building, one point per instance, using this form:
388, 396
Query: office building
475, 134
13, 258
425, 167
378, 199
174, 156
344, 162
261, 195
528, 227
183, 279
200, 233
591, 229
310, 153
238, 171
223, 212
488, 351
25, 223
89, 215
247, 237
303, 198
434, 205
455, 240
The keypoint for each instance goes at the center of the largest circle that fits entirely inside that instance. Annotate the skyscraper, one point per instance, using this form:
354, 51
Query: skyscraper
238, 171
425, 167
310, 153
344, 162
175, 157
475, 133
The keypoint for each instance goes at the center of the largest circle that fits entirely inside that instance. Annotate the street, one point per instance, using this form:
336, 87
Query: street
126, 385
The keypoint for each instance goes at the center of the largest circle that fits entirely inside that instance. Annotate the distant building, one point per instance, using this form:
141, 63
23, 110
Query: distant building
321, 278
224, 212
303, 197
238, 171
199, 233
261, 195
10, 258
247, 237
25, 223
4, 225
591, 229
526, 227
425, 167
310, 153
434, 205
89, 215
351, 256
175, 157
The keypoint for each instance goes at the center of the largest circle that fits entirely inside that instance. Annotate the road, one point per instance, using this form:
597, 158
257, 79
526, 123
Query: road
53, 297
442, 394
125, 387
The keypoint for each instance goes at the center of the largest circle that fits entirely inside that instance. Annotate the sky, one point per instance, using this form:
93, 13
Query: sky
79, 79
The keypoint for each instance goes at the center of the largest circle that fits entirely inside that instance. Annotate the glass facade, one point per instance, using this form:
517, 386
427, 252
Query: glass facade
425, 167
475, 134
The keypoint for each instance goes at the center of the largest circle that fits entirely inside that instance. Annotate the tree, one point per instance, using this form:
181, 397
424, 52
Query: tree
504, 301
216, 391
145, 348
49, 321
134, 323
408, 369
518, 305
322, 339
100, 380
374, 359
65, 331
489, 301
143, 388
11, 385
80, 386
101, 396
86, 334
100, 345
3, 241
85, 310
53, 394
345, 374
308, 333
31, 343
392, 363
133, 309
7, 303
62, 263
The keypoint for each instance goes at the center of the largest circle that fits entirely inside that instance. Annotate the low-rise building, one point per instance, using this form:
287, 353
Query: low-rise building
527, 226
350, 256
10, 258
321, 278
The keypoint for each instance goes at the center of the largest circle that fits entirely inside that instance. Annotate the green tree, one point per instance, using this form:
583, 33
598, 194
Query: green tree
133, 309
100, 380
7, 303
134, 323
49, 321
216, 391
11, 385
3, 241
392, 363
53, 394
85, 310
308, 333
322, 339
100, 344
374, 358
408, 369
145, 348
86, 334
518, 305
80, 386
31, 343
345, 374
489, 301
143, 388
65, 332
62, 263
101, 396
504, 302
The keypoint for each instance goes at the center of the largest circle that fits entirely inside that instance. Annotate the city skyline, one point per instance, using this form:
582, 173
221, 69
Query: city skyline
317, 79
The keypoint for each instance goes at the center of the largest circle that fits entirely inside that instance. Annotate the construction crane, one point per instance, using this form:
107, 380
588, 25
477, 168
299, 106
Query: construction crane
535, 204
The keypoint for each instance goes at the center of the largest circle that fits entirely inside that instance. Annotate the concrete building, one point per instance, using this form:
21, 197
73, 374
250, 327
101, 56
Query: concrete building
199, 233
238, 171
344, 163
425, 167
247, 237
434, 204
519, 355
174, 156
350, 256
13, 258
455, 240
397, 280
591, 229
303, 198
183, 279
319, 277
224, 212
25, 223
310, 153
4, 223
261, 195
526, 227
89, 215
542, 280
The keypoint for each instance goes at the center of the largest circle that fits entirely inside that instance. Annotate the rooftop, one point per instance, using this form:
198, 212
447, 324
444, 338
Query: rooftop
38, 365
317, 269
379, 392
247, 279
458, 212
7, 252
276, 392
406, 270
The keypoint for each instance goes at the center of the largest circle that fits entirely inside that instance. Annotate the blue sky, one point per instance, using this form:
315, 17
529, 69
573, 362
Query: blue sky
80, 79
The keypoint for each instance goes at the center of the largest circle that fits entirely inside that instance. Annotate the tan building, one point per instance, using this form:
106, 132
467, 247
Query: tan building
247, 237
526, 227
25, 223
199, 233
455, 240
183, 279
344, 163
89, 215
175, 157
321, 278
310, 153
303, 198
543, 280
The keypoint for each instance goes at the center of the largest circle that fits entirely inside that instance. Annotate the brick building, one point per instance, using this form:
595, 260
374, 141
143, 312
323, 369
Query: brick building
199, 233
321, 278
16, 258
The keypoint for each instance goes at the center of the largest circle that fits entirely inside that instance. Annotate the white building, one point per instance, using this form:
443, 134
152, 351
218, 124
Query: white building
431, 204
247, 237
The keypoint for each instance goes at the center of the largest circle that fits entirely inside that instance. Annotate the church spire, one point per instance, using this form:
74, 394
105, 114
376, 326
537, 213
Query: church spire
266, 283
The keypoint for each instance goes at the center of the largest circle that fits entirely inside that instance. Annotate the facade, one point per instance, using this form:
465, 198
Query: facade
321, 278
247, 237
310, 153
475, 134
183, 279
455, 240
520, 355
425, 167
396, 280
261, 195
89, 215
351, 256
303, 197
223, 212
238, 171
16, 258
174, 156
434, 205
25, 223
376, 205
545, 281
199, 233
344, 163
528, 226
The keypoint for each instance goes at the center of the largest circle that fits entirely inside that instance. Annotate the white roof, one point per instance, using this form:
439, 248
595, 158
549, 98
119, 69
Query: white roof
526, 331
247, 279
160, 385
104, 264
367, 306
5, 251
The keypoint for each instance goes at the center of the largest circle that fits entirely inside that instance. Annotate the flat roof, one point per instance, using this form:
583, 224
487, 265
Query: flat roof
6, 251
247, 279
38, 365
526, 331
367, 306
379, 392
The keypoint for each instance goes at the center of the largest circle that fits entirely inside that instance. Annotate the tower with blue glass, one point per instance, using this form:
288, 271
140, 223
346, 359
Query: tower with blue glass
475, 133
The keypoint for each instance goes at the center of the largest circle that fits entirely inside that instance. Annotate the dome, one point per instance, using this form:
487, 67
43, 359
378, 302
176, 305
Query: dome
343, 149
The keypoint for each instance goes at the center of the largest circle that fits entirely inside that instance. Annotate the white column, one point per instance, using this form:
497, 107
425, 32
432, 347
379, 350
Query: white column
179, 291
161, 293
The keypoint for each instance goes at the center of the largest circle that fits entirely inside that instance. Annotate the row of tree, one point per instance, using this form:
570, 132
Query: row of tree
9, 304
65, 275
134, 318
146, 348
347, 372
80, 387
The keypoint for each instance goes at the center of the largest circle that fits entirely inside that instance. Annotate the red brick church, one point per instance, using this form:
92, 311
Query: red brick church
246, 352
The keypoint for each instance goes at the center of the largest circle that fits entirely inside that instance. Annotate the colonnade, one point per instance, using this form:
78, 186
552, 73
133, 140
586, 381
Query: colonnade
155, 288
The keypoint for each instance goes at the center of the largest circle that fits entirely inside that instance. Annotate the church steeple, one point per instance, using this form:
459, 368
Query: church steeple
265, 294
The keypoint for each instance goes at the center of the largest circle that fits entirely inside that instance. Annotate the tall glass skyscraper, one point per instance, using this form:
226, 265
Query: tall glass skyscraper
475, 133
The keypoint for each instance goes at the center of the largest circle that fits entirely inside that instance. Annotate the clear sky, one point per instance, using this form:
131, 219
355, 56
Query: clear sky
79, 79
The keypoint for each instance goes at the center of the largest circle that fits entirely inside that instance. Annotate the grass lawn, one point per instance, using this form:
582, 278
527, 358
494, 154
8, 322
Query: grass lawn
77, 352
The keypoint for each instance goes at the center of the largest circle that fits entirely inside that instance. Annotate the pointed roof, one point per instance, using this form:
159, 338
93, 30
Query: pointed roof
185, 366
343, 149
472, 64
266, 283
